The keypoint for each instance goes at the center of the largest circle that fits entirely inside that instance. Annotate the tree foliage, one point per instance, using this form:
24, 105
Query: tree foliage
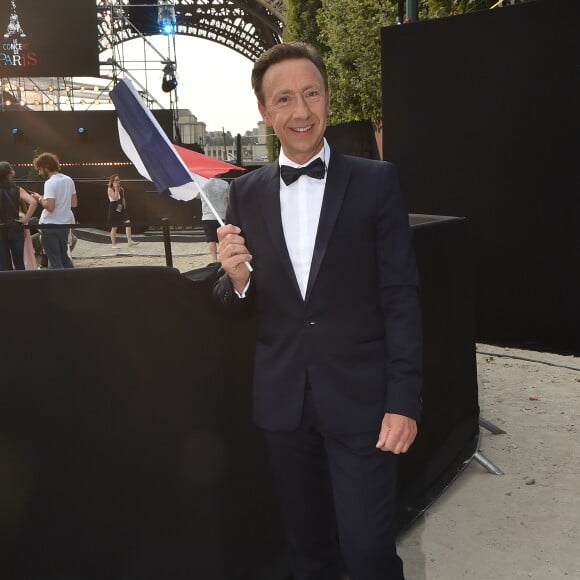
300, 22
351, 31
439, 8
347, 32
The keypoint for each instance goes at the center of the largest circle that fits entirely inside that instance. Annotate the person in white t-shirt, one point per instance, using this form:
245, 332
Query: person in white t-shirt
59, 196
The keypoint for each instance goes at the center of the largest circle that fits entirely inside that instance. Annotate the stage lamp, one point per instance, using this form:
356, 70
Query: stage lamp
17, 135
82, 134
166, 19
169, 81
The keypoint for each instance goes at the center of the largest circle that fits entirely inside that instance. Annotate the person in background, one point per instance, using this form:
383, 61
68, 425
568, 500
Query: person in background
216, 191
117, 215
11, 197
338, 356
29, 254
58, 199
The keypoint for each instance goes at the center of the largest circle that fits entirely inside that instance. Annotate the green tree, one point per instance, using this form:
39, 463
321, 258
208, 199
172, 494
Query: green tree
350, 37
351, 30
439, 8
300, 22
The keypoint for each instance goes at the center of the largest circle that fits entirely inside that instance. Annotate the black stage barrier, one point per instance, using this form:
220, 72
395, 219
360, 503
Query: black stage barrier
449, 431
126, 446
481, 118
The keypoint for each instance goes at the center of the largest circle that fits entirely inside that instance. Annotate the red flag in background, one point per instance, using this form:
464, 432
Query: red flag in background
202, 164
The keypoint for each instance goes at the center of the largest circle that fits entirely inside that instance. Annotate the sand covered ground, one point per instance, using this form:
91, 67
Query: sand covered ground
524, 523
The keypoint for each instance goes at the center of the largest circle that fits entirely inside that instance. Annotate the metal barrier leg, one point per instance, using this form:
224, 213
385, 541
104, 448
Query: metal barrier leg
487, 464
167, 242
490, 427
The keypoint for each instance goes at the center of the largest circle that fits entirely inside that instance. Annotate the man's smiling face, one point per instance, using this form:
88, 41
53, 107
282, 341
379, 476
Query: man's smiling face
296, 107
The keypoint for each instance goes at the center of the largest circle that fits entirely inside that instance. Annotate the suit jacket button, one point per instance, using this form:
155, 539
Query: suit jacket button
309, 323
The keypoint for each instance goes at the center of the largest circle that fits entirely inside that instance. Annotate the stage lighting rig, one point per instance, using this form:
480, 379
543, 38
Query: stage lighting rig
166, 19
169, 82
17, 135
82, 134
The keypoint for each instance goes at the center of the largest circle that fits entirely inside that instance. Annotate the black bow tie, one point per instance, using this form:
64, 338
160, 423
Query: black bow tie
316, 169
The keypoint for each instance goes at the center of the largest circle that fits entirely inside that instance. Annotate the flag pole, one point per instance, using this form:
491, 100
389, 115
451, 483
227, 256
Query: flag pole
147, 146
216, 216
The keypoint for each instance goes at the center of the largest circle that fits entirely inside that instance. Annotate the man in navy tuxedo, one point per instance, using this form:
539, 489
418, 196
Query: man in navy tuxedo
337, 374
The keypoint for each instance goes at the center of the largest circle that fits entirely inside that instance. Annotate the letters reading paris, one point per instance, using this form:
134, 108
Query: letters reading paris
14, 51
16, 54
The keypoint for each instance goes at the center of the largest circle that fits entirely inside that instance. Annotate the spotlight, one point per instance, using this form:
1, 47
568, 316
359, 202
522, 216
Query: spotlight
166, 19
17, 135
82, 134
169, 82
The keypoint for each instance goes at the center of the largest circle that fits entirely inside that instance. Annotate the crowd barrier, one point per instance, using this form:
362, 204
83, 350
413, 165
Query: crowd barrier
126, 445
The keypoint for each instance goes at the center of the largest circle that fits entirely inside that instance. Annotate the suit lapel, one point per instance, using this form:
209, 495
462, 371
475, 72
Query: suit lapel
336, 184
273, 217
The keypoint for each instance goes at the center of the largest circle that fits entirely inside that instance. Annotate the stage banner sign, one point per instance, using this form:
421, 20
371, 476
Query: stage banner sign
48, 39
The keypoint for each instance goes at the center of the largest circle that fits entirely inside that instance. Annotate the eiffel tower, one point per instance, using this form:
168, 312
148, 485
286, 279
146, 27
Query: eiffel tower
14, 29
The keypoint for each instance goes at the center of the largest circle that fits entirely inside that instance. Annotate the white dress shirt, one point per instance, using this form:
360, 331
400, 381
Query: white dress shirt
300, 204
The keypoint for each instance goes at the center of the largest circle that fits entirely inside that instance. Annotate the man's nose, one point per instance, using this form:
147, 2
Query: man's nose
301, 108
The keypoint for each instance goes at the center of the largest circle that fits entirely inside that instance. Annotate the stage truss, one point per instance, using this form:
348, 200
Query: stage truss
245, 26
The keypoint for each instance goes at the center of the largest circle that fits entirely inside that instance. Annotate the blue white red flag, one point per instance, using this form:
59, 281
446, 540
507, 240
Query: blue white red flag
145, 143
149, 149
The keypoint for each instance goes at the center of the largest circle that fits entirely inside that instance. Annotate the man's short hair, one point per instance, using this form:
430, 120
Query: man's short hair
47, 161
281, 52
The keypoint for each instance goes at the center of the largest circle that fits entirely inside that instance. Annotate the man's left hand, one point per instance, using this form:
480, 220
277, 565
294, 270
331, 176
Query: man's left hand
397, 433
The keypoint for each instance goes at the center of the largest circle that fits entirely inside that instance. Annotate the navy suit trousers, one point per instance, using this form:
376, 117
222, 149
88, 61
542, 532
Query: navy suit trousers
337, 494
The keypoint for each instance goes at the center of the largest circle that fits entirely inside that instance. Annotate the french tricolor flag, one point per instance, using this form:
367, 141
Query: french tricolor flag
147, 146
144, 142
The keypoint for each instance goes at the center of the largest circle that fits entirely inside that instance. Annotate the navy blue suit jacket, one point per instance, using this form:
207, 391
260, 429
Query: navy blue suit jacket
356, 337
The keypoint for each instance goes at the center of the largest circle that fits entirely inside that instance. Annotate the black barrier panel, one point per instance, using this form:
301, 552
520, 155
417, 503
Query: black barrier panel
481, 117
98, 154
449, 431
145, 207
126, 445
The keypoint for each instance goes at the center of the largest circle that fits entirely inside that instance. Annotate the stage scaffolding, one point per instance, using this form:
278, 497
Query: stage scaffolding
245, 26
